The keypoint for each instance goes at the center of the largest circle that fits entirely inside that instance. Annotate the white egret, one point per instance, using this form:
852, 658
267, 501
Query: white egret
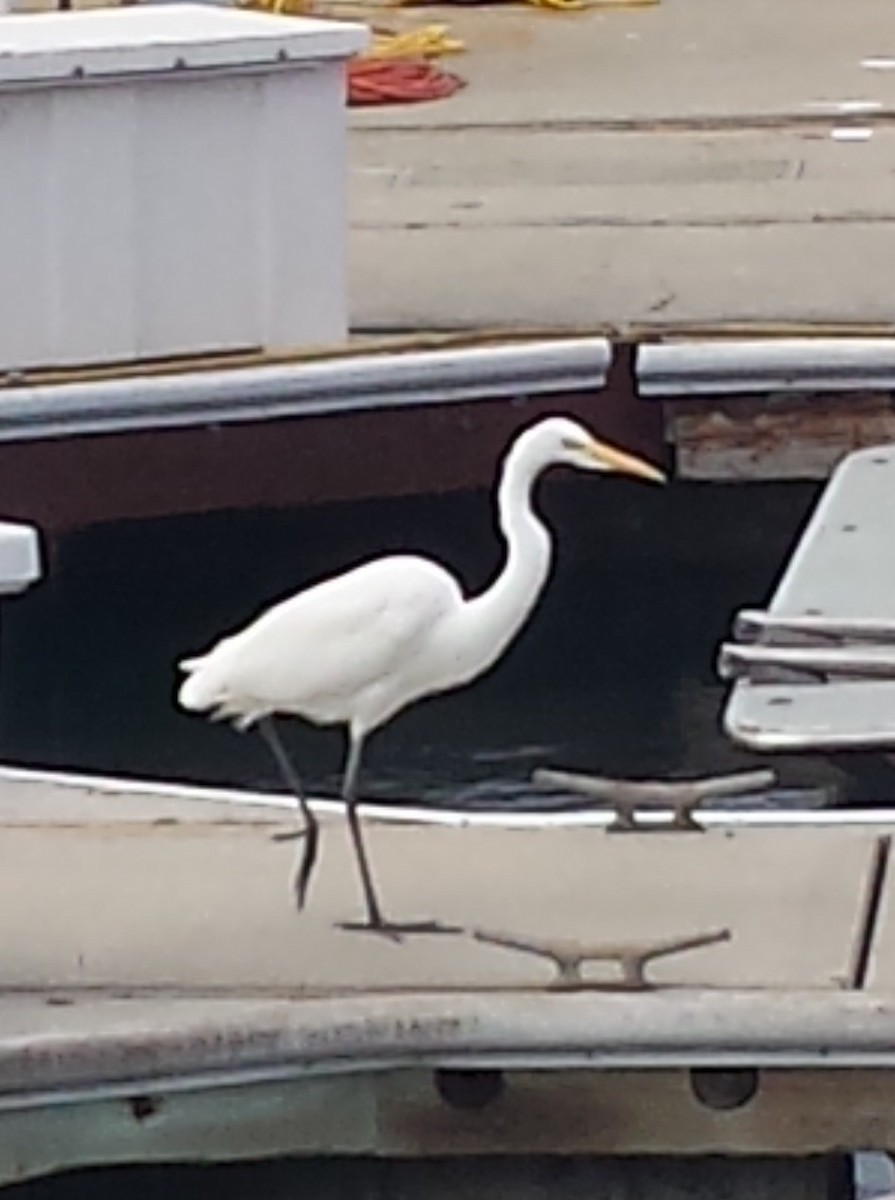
357, 648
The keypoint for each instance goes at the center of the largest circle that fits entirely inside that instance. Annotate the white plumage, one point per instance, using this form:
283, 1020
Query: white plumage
346, 650
357, 648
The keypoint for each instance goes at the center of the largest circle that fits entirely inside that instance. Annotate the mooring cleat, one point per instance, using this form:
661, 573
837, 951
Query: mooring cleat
569, 956
680, 798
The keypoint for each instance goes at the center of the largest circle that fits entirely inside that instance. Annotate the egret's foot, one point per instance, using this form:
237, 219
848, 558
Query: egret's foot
396, 931
292, 835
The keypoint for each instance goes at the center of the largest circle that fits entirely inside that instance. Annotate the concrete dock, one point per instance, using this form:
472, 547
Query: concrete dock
669, 165
658, 178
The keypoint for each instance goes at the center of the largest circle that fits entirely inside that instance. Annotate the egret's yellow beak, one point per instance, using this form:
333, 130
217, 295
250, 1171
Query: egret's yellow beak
611, 459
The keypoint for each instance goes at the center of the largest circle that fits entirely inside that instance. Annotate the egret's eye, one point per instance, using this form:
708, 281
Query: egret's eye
570, 443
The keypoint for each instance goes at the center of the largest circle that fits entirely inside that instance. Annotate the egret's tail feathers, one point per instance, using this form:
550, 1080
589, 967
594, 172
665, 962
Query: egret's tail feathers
199, 692
206, 685
208, 688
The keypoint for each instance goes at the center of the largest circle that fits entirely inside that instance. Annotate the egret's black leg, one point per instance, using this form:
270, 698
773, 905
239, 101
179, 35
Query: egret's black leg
349, 795
311, 830
375, 922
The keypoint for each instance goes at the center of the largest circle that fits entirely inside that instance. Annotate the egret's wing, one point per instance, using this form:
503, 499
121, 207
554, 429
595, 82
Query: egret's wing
328, 644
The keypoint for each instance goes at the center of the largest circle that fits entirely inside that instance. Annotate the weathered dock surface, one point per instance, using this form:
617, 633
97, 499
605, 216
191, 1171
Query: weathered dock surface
671, 165
162, 1000
669, 171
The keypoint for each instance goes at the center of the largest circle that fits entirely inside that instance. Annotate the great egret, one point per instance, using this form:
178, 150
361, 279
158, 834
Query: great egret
357, 648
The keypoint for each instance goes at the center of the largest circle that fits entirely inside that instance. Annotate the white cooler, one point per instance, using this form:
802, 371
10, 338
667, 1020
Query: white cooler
172, 182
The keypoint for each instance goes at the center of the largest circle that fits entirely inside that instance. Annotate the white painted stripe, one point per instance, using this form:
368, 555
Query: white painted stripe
845, 106
851, 133
719, 818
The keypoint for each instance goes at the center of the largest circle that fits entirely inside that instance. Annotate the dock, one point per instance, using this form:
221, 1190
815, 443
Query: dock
662, 167
692, 208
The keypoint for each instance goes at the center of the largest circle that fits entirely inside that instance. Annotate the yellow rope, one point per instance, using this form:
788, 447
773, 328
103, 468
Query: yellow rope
431, 41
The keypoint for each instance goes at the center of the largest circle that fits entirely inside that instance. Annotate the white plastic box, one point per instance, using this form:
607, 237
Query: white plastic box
19, 557
172, 181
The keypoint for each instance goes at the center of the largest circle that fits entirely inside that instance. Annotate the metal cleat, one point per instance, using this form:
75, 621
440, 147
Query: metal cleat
569, 956
682, 797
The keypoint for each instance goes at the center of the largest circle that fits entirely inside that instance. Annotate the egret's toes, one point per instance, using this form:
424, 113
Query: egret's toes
293, 835
396, 931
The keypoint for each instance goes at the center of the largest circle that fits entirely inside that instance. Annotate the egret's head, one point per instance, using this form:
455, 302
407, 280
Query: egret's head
564, 441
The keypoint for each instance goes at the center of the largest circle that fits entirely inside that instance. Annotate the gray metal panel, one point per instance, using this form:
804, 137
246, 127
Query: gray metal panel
843, 567
785, 365
343, 384
815, 716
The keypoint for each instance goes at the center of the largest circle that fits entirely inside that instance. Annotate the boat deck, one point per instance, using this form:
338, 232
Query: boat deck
94, 883
154, 963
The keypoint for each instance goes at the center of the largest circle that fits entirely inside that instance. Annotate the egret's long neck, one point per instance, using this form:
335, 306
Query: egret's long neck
497, 614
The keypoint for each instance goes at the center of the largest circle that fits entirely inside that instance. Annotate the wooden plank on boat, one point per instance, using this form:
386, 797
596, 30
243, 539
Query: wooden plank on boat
772, 408
794, 437
112, 891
